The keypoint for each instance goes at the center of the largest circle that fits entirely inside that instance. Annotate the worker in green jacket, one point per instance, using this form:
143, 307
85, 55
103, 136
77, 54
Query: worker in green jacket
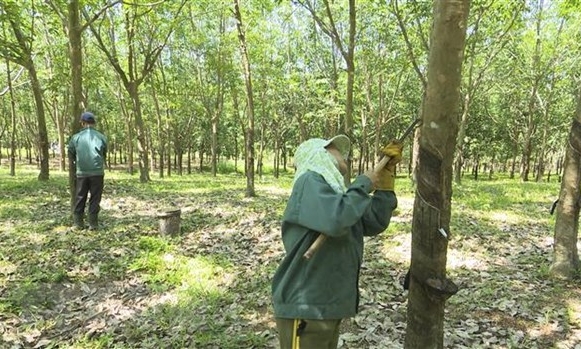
88, 150
313, 293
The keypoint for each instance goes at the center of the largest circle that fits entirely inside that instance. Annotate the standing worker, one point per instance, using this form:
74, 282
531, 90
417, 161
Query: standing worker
313, 291
88, 150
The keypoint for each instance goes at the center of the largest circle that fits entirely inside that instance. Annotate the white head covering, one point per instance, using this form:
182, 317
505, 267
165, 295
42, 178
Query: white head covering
311, 155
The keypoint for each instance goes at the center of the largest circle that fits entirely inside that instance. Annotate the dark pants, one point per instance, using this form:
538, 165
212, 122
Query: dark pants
86, 185
308, 334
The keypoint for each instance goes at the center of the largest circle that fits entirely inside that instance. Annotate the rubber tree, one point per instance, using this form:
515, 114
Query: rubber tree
429, 287
75, 32
19, 49
416, 43
347, 49
212, 50
12, 155
542, 62
73, 28
565, 255
381, 76
146, 38
250, 191
479, 58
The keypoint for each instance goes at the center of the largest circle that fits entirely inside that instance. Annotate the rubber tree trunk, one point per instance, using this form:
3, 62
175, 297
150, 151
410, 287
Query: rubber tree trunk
250, 191
12, 121
25, 59
350, 62
429, 286
565, 255
40, 115
76, 58
133, 90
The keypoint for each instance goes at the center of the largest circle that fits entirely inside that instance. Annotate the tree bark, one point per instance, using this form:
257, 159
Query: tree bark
429, 286
250, 191
350, 62
160, 136
77, 103
42, 140
133, 89
219, 101
565, 255
12, 121
459, 156
530, 114
25, 58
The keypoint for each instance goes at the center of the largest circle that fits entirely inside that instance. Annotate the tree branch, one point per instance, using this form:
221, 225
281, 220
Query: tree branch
409, 46
97, 15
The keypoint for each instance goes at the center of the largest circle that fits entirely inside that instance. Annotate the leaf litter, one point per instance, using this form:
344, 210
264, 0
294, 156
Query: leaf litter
61, 287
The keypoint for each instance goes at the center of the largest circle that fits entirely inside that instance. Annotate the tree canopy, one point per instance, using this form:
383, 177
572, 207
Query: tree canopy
166, 80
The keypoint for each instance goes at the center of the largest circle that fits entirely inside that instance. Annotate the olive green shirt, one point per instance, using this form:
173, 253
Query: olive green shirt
326, 286
88, 149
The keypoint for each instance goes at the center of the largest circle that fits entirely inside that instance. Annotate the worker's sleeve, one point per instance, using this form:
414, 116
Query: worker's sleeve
316, 206
376, 218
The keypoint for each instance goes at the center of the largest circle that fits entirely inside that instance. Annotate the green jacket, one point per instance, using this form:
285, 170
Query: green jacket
326, 286
88, 150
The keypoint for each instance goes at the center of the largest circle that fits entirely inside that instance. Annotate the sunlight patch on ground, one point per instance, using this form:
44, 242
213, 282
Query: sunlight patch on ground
275, 190
262, 316
573, 340
504, 217
59, 229
547, 329
8, 226
460, 259
469, 255
116, 308
574, 311
36, 238
6, 269
500, 218
397, 248
205, 275
169, 298
124, 206
199, 278
405, 206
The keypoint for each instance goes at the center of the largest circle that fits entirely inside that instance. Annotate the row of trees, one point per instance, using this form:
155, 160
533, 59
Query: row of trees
170, 79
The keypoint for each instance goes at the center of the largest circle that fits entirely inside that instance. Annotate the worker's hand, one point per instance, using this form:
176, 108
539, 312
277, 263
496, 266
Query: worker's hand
381, 177
385, 179
386, 174
393, 151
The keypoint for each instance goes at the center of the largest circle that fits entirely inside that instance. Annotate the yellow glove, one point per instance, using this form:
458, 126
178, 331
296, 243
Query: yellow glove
386, 180
393, 151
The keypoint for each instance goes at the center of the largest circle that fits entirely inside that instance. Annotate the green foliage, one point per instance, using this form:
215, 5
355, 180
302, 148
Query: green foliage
299, 79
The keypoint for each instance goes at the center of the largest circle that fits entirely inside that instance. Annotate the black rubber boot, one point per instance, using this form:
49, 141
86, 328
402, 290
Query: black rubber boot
78, 221
93, 219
